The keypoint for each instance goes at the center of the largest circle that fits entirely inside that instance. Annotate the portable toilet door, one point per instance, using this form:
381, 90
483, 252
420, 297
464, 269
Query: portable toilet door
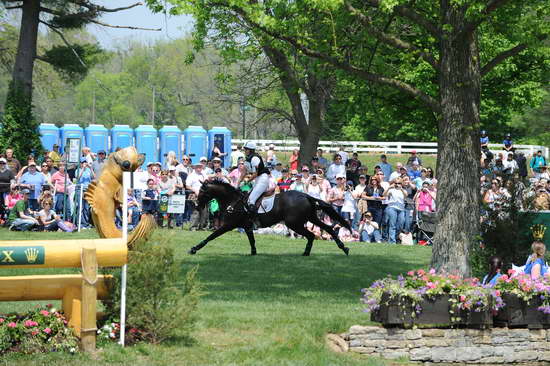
195, 143
71, 131
121, 136
221, 136
97, 138
146, 143
49, 135
170, 140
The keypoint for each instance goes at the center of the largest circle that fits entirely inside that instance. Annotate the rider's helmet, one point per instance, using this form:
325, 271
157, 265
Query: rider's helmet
250, 145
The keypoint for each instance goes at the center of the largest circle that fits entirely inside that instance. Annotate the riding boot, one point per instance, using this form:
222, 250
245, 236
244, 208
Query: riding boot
253, 215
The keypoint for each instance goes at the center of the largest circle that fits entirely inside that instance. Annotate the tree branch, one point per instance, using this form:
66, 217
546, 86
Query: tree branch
60, 34
501, 57
492, 5
123, 26
391, 40
95, 7
14, 7
413, 16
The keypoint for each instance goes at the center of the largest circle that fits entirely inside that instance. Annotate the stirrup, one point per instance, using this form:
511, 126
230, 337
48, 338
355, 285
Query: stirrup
230, 209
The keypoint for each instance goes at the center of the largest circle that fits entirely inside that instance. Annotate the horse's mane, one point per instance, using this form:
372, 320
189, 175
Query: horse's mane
221, 182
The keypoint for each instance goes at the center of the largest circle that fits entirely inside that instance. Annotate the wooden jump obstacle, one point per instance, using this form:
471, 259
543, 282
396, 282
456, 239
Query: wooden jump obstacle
79, 293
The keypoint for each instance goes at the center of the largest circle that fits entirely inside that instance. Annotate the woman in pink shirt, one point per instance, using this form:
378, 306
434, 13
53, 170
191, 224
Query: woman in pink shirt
424, 198
58, 181
11, 199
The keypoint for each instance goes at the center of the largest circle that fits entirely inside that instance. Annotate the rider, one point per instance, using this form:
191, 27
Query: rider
255, 166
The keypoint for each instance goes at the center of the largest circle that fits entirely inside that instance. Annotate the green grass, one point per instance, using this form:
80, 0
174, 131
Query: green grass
271, 309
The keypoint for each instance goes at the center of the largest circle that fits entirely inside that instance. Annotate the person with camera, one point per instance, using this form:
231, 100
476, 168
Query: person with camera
369, 229
395, 209
336, 194
424, 198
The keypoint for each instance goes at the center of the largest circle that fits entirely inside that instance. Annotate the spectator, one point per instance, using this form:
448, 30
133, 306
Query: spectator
247, 184
536, 265
207, 170
424, 199
544, 173
55, 155
298, 184
276, 173
7, 180
420, 180
30, 159
97, 165
87, 154
12, 197
498, 168
58, 180
149, 198
385, 167
510, 165
359, 193
335, 169
194, 183
487, 169
352, 168
46, 173
33, 181
349, 208
542, 198
293, 160
46, 195
13, 164
284, 181
397, 173
536, 163
495, 266
522, 165
508, 144
395, 210
336, 194
133, 209
85, 177
305, 173
217, 163
323, 182
414, 159
375, 196
47, 217
20, 217
363, 170
495, 196
315, 164
51, 167
415, 171
323, 163
342, 152
369, 229
484, 140
166, 187
409, 203
235, 175
236, 155
314, 189
271, 159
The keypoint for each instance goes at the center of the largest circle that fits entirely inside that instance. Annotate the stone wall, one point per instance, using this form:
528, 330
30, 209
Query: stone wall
491, 346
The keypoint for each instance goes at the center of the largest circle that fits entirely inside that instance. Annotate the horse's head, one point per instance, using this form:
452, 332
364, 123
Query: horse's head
205, 194
216, 189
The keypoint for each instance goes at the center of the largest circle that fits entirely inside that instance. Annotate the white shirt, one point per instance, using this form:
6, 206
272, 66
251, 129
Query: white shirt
334, 170
395, 174
369, 226
344, 156
195, 180
252, 166
235, 155
512, 165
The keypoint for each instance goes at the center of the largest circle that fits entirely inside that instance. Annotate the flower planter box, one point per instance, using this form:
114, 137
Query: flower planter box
435, 311
520, 314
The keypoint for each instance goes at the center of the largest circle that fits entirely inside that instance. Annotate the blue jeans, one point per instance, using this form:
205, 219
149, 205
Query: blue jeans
375, 235
59, 203
407, 220
85, 220
356, 219
395, 219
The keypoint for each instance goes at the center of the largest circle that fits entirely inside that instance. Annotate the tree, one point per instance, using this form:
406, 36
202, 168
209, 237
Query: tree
72, 60
436, 41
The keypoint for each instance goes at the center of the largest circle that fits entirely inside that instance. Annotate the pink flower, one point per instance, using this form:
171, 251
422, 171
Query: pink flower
511, 272
431, 285
432, 271
30, 323
34, 332
410, 273
421, 272
45, 312
1, 320
462, 298
504, 278
12, 325
47, 330
497, 293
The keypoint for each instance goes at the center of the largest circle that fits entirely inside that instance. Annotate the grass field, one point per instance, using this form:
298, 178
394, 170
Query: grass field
271, 309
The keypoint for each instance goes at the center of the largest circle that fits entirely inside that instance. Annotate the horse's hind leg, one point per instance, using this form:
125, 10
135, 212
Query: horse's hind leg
305, 233
211, 237
250, 234
316, 221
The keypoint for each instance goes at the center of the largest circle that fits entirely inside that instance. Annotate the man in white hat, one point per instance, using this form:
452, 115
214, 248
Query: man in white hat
194, 182
271, 158
255, 166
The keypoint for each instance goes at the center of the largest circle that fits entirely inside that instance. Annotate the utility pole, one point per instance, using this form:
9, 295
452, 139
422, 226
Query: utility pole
244, 108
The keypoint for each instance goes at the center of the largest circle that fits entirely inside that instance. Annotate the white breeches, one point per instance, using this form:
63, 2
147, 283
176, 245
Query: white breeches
260, 186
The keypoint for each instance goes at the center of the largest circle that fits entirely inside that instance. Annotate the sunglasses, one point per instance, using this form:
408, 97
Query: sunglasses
44, 166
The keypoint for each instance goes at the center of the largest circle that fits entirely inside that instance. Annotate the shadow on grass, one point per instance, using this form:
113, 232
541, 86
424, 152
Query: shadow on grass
278, 276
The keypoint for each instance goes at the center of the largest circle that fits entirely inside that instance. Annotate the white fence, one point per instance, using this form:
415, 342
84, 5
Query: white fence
379, 147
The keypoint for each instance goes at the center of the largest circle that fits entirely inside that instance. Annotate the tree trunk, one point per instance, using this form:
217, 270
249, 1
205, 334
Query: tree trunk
458, 148
26, 49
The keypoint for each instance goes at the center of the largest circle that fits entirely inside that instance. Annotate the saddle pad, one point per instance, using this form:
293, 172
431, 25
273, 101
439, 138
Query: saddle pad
267, 204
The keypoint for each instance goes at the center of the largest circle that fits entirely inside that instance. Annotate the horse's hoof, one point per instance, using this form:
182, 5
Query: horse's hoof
346, 250
306, 254
253, 253
192, 251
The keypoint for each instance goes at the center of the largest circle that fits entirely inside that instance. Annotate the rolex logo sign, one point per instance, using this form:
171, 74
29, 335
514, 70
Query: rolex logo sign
32, 255
17, 256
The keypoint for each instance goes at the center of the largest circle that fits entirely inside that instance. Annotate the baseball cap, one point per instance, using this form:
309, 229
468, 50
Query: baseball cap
2, 160
413, 151
340, 176
101, 152
362, 176
314, 176
83, 160
305, 169
25, 191
172, 168
203, 158
216, 159
149, 164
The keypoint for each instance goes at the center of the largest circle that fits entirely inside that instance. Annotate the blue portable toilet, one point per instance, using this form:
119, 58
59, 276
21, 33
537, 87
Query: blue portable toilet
71, 131
97, 138
121, 136
146, 143
195, 138
49, 135
170, 140
222, 137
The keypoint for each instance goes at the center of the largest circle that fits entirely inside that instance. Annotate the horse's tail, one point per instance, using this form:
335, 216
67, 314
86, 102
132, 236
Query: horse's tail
331, 212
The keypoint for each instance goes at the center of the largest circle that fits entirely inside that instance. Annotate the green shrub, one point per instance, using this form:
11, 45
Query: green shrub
160, 304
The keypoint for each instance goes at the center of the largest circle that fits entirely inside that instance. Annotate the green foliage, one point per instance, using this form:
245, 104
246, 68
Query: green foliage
38, 331
159, 304
74, 62
19, 127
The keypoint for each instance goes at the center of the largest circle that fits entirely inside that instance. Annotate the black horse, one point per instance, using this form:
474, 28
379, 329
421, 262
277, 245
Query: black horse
292, 207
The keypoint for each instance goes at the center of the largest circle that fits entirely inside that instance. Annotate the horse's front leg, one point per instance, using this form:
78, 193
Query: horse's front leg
250, 234
222, 230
